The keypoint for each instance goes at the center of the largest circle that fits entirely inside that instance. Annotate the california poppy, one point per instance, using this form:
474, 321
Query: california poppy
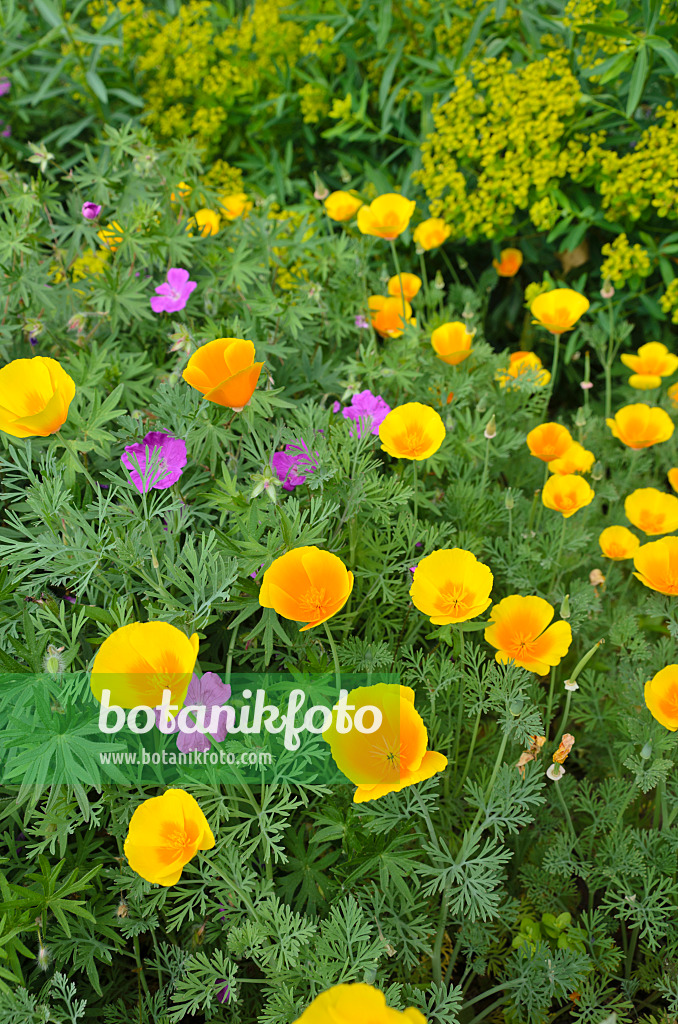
224, 372
519, 629
165, 832
307, 585
450, 585
412, 431
35, 395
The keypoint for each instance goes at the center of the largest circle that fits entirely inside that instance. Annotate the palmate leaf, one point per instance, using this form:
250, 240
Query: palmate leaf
307, 880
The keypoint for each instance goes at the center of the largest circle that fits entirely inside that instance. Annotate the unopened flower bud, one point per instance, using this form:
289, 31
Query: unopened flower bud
509, 501
646, 752
491, 428
53, 664
439, 281
598, 471
607, 291
482, 405
565, 607
580, 418
44, 957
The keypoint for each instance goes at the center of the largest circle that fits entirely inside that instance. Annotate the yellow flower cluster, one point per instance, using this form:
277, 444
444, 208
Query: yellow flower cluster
646, 176
140, 21
316, 43
502, 142
289, 275
224, 178
623, 260
90, 264
669, 300
313, 100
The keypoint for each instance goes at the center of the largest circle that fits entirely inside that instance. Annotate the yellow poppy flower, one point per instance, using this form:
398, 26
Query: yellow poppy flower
509, 263
412, 431
558, 310
661, 697
452, 342
567, 494
138, 661
35, 395
652, 511
387, 216
451, 585
307, 585
519, 629
618, 543
224, 372
641, 426
166, 832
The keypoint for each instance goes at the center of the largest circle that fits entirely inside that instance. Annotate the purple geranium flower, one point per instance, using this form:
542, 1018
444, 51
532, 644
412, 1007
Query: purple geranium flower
5, 86
208, 692
224, 993
172, 295
291, 463
366, 404
360, 321
171, 460
91, 211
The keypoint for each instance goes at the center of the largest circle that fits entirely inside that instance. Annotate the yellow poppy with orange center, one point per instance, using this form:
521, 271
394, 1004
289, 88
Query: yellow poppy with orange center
566, 494
520, 630
657, 565
386, 216
661, 697
641, 426
509, 263
652, 362
618, 543
224, 372
549, 441
307, 585
450, 585
164, 834
452, 342
412, 431
558, 310
652, 511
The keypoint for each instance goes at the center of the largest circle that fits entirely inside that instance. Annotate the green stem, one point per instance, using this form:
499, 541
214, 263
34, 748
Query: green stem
566, 712
337, 670
140, 968
557, 572
400, 281
474, 736
567, 813
460, 703
70, 447
554, 364
414, 484
449, 266
229, 659
424, 278
485, 466
490, 785
547, 721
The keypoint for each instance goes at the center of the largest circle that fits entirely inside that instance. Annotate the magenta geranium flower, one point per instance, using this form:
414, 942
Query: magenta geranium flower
294, 464
367, 405
171, 452
209, 692
91, 211
172, 295
5, 86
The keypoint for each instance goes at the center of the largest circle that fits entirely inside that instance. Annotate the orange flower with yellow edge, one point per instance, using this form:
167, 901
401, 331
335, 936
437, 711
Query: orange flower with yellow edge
520, 630
509, 263
411, 285
657, 565
640, 426
341, 206
523, 366
549, 441
412, 431
138, 661
452, 342
349, 1004
566, 494
207, 221
387, 216
652, 362
111, 236
450, 585
558, 310
576, 459
661, 697
306, 585
672, 477
234, 205
224, 372
431, 233
35, 395
386, 315
391, 757
164, 833
652, 511
618, 543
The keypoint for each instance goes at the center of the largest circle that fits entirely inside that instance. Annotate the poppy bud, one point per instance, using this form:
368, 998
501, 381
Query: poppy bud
565, 607
491, 428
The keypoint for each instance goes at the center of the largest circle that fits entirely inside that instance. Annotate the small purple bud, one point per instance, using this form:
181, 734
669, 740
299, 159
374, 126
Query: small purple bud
90, 211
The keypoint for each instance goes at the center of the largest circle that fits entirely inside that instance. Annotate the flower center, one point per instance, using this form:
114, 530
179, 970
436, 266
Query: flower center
313, 603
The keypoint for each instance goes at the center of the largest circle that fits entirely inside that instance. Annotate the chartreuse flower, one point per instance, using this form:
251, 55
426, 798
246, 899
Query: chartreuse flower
450, 585
652, 362
234, 205
224, 372
355, 1004
431, 233
549, 441
641, 426
519, 629
618, 543
307, 585
509, 263
558, 310
386, 314
657, 565
652, 511
341, 206
164, 833
661, 697
521, 365
567, 494
576, 459
387, 216
392, 757
35, 395
138, 661
452, 342
412, 431
411, 285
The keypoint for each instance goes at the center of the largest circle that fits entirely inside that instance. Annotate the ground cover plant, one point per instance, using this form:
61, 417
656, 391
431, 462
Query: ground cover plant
343, 352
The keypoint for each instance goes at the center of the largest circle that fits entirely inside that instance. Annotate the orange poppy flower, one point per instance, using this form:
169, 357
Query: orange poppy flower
452, 342
392, 757
411, 285
657, 565
618, 543
386, 315
549, 441
558, 310
224, 372
661, 697
35, 395
307, 585
411, 431
166, 832
519, 629
652, 362
342, 206
451, 585
641, 426
234, 205
509, 263
431, 233
652, 511
387, 216
567, 494
672, 392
